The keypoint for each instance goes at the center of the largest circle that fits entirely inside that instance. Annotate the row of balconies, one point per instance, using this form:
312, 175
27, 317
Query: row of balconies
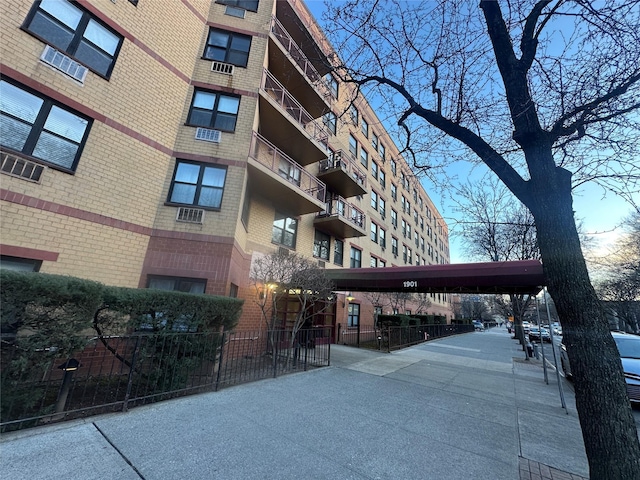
290, 186
291, 128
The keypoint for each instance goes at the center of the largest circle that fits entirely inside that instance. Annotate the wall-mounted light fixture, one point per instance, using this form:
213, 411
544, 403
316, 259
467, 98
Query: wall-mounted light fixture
348, 299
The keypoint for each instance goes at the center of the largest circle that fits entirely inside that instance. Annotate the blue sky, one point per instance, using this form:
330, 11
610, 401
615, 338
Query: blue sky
600, 216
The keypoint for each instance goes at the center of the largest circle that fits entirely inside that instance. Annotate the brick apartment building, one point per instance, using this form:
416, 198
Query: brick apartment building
163, 144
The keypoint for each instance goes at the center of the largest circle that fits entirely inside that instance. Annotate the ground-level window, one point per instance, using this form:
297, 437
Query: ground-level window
35, 125
20, 264
197, 184
285, 230
177, 284
353, 318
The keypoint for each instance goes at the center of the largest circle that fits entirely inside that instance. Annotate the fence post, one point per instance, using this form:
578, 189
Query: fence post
125, 404
220, 354
306, 348
389, 339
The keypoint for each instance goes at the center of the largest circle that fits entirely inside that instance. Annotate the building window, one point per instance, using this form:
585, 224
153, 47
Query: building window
227, 47
404, 228
374, 200
365, 128
75, 32
321, 245
177, 284
404, 253
394, 191
382, 235
134, 2
383, 153
214, 110
373, 262
353, 112
353, 146
284, 231
332, 83
422, 244
374, 232
374, 169
338, 249
393, 166
382, 207
382, 263
197, 184
409, 256
39, 127
383, 179
416, 239
251, 5
356, 258
353, 318
394, 246
364, 157
374, 141
330, 121
394, 218
19, 264
415, 216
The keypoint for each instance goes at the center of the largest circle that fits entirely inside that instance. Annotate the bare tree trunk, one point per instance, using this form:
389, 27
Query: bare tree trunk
608, 428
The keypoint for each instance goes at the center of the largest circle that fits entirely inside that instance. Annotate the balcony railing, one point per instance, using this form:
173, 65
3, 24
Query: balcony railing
339, 159
281, 95
339, 207
267, 154
300, 59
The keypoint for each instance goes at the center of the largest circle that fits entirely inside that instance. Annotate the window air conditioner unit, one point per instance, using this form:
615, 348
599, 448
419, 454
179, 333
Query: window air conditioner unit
190, 215
19, 167
220, 67
208, 135
283, 251
66, 65
321, 264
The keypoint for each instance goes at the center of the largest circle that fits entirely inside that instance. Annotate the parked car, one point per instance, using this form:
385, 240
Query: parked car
478, 325
629, 349
526, 326
557, 330
536, 334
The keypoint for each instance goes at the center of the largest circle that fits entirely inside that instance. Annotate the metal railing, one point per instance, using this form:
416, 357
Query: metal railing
116, 373
272, 87
396, 337
339, 207
339, 159
296, 54
267, 154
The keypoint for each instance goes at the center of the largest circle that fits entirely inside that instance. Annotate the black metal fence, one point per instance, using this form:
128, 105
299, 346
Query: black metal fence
396, 337
116, 373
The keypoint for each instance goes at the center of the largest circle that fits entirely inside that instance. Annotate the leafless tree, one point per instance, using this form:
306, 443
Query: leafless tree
620, 286
546, 95
498, 228
279, 278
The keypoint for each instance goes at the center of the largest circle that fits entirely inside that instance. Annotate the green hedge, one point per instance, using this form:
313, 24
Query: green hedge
52, 312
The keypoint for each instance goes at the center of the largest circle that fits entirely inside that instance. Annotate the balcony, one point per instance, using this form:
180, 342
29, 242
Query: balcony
341, 219
285, 59
342, 176
288, 125
286, 183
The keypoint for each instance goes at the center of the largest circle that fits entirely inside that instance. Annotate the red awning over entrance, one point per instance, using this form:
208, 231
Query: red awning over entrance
523, 276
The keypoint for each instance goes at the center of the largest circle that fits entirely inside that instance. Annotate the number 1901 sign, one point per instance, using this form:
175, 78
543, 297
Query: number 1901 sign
410, 283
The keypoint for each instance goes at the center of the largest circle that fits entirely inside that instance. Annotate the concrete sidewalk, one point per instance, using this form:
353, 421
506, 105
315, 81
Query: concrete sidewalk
455, 408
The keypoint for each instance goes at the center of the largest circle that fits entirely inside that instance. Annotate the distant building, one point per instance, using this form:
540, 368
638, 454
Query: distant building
163, 144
